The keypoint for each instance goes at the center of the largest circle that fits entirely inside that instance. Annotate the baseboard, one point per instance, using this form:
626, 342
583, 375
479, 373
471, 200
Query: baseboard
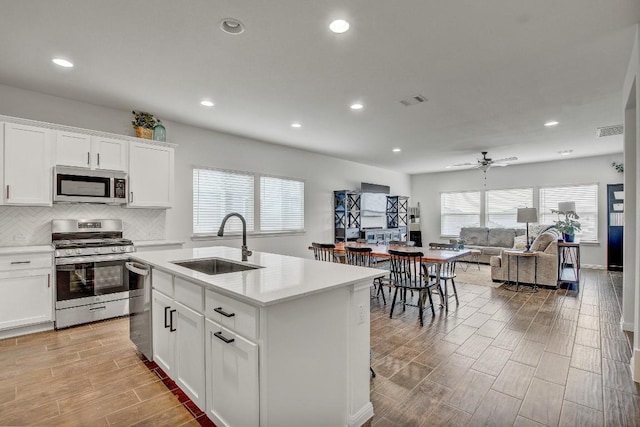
594, 266
362, 416
626, 326
16, 332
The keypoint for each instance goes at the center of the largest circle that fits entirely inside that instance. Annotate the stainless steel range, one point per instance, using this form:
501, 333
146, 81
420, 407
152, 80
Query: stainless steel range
91, 278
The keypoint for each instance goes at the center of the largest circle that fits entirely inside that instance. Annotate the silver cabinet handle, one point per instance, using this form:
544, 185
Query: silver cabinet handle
7, 191
88, 158
20, 262
131, 197
98, 159
102, 307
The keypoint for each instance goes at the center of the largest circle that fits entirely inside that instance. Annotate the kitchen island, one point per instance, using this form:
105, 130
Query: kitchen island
284, 343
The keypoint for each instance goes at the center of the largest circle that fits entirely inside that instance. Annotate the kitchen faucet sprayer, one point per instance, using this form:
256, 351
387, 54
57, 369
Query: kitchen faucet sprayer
245, 251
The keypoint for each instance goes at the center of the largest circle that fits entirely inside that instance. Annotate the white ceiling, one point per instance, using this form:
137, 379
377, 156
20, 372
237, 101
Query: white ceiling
493, 71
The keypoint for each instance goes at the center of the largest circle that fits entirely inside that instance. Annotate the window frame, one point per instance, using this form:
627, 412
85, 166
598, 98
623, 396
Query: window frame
480, 194
256, 232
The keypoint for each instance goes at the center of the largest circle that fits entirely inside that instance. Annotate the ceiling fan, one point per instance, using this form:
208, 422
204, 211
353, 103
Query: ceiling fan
485, 163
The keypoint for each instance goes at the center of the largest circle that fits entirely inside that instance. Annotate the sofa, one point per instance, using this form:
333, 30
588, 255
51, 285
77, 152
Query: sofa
489, 241
547, 272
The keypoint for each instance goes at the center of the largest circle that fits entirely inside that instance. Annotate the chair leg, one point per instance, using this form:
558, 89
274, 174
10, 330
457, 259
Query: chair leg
381, 291
393, 303
433, 311
455, 292
420, 309
373, 373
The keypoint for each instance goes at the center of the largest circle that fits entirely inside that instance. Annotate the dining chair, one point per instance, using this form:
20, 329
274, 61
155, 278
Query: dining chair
324, 252
361, 256
409, 273
447, 273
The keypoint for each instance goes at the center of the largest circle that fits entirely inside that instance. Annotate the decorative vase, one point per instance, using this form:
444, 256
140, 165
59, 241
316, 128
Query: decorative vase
159, 132
144, 133
568, 237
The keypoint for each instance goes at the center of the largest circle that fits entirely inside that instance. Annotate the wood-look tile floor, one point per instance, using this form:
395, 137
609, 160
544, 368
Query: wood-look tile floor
501, 358
88, 375
498, 358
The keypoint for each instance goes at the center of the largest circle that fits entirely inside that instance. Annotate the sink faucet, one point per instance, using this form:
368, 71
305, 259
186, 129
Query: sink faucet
245, 251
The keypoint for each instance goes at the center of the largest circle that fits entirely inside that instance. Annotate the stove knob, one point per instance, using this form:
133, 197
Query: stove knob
78, 251
97, 250
68, 251
114, 249
123, 249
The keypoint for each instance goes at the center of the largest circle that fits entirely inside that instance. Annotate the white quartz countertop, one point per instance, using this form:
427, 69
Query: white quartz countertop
11, 250
282, 278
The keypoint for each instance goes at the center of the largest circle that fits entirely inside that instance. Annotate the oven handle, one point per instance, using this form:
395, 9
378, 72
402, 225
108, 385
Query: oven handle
139, 269
96, 258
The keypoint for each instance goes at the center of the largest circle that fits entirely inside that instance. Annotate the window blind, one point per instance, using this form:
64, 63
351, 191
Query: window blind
281, 204
586, 199
502, 206
459, 210
217, 193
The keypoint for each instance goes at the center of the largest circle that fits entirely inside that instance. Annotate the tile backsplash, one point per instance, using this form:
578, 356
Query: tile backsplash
27, 225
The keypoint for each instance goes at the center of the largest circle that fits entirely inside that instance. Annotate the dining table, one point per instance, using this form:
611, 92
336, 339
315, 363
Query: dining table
438, 257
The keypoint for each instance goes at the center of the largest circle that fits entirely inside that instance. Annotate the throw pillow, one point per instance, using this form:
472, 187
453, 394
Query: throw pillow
542, 241
519, 242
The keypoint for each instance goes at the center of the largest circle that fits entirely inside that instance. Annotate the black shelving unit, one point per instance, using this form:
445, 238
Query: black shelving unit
346, 215
398, 213
615, 226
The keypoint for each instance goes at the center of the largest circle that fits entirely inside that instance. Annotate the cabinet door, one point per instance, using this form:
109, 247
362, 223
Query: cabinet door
189, 363
163, 337
73, 149
232, 377
26, 298
109, 154
150, 175
28, 160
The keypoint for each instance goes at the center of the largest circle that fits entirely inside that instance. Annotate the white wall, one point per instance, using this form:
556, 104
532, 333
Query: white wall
426, 189
202, 147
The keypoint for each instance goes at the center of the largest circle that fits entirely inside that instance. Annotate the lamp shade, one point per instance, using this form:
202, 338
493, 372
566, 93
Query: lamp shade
527, 215
567, 206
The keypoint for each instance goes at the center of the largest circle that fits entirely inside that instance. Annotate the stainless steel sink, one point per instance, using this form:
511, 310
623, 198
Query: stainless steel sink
214, 266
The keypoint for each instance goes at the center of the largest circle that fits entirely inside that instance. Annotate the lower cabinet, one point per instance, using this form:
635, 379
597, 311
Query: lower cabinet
27, 298
232, 377
178, 341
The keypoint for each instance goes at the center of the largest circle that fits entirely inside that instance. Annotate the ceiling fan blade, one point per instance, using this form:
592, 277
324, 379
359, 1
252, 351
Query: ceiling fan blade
508, 159
500, 165
465, 164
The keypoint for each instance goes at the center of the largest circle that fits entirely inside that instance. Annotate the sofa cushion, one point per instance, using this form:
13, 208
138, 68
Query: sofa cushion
502, 237
520, 242
475, 235
543, 241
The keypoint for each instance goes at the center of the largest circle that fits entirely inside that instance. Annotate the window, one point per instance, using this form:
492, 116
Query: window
502, 206
459, 210
281, 204
586, 199
217, 193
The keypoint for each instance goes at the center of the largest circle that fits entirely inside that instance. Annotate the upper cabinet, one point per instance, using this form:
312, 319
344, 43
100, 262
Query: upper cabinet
92, 152
151, 172
27, 160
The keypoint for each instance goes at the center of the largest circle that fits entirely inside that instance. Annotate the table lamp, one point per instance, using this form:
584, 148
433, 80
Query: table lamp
527, 215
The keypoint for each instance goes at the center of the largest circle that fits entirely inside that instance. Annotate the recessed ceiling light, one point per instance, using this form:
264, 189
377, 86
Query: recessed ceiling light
63, 62
357, 106
551, 123
565, 152
296, 125
231, 26
206, 103
339, 26
396, 150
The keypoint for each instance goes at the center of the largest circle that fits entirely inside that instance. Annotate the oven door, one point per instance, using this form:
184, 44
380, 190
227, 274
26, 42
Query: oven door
77, 278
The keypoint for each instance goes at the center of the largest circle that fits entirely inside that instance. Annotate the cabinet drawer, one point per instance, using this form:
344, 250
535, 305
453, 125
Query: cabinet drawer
162, 282
239, 317
25, 261
189, 294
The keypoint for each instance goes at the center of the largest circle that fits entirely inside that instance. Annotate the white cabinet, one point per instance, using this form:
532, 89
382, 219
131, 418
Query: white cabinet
26, 290
232, 377
28, 160
91, 152
178, 345
151, 171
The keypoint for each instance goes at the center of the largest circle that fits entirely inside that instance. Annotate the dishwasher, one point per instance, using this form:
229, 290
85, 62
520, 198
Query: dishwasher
140, 333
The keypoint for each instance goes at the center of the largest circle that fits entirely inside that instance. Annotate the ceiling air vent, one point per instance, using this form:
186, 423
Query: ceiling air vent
610, 131
413, 100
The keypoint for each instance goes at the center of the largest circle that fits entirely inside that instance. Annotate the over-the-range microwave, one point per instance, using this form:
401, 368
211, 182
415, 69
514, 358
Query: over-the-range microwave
76, 185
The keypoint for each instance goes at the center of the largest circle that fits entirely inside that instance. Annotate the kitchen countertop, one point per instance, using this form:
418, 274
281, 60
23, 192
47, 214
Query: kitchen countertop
283, 277
10, 250
147, 243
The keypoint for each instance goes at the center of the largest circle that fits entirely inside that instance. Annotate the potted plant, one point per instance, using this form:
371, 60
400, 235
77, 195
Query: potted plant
143, 123
567, 226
